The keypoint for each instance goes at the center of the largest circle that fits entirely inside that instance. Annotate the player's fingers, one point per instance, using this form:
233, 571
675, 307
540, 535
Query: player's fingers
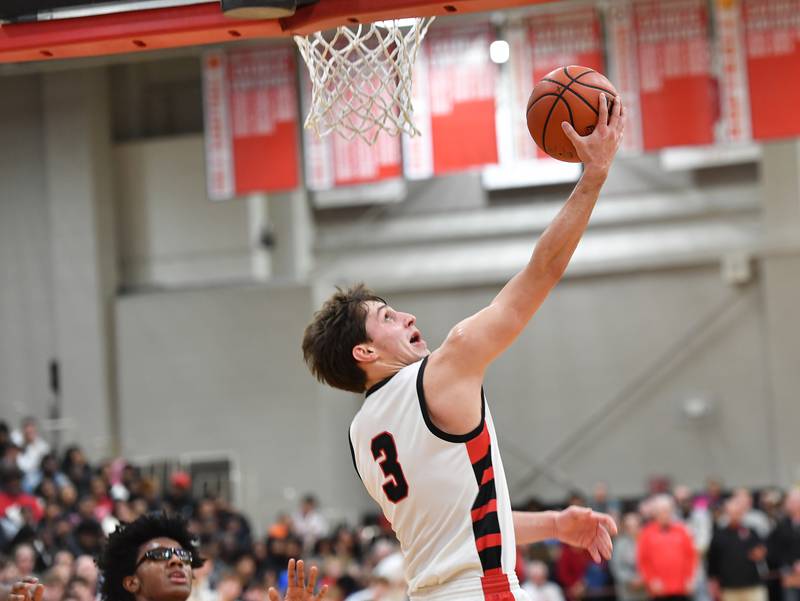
605, 534
291, 576
312, 579
605, 545
24, 588
598, 553
616, 111
608, 551
38, 592
273, 594
594, 552
602, 109
570, 131
607, 522
322, 593
301, 573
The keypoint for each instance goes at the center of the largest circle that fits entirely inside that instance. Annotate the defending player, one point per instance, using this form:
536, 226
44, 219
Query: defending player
424, 442
151, 559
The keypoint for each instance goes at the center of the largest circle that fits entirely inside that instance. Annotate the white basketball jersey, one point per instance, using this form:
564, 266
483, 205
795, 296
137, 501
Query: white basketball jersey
445, 496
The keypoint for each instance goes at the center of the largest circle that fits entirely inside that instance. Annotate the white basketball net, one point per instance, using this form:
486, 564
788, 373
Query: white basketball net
361, 78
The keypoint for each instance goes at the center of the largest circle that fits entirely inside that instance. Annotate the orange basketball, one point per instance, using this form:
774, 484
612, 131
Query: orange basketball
566, 94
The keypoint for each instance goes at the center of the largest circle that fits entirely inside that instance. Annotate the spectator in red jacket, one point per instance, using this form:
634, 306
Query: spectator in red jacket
571, 571
666, 555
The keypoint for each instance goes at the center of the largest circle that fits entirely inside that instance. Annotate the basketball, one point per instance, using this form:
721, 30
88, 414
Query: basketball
566, 94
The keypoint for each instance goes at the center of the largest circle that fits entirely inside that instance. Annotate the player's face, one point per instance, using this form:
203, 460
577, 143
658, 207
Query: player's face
165, 579
394, 335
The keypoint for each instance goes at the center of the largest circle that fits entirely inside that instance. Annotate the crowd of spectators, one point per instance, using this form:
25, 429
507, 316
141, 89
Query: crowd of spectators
674, 545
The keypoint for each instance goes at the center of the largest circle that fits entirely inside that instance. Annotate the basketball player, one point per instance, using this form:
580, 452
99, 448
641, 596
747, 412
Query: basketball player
423, 441
151, 559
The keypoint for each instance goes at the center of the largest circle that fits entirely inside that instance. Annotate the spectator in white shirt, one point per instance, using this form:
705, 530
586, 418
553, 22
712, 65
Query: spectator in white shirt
308, 523
33, 447
538, 587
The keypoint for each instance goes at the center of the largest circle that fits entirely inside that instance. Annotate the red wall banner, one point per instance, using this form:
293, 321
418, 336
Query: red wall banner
251, 121
772, 32
454, 103
677, 90
623, 69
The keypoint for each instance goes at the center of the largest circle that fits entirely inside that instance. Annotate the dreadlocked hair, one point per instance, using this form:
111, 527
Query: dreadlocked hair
118, 557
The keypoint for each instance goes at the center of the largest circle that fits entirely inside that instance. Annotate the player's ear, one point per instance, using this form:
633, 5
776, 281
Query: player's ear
364, 353
131, 584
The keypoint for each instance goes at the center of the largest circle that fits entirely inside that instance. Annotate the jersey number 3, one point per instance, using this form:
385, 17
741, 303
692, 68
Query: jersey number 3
385, 453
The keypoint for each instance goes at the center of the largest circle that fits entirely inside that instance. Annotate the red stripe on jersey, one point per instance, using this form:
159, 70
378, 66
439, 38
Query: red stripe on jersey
494, 582
478, 447
488, 540
496, 586
482, 512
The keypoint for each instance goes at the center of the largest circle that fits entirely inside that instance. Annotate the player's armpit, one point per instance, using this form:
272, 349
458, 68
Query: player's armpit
453, 399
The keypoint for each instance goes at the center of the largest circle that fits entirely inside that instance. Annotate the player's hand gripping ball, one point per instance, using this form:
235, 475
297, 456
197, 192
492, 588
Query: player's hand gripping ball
567, 94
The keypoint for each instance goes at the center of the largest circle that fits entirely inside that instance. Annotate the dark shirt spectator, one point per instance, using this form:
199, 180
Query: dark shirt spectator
736, 557
179, 497
784, 547
77, 470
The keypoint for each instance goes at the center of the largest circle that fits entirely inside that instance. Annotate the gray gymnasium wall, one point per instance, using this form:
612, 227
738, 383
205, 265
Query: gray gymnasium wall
26, 322
57, 254
218, 372
217, 369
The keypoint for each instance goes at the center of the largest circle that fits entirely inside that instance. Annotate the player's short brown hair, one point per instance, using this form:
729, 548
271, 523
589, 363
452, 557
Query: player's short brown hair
329, 339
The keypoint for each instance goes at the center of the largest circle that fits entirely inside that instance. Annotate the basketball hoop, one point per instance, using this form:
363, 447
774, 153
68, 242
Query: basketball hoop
361, 78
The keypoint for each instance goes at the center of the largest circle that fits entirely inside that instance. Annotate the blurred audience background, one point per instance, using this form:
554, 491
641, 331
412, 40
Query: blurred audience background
675, 544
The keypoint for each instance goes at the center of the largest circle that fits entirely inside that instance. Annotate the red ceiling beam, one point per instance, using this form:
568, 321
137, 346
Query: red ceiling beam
204, 23
327, 14
118, 33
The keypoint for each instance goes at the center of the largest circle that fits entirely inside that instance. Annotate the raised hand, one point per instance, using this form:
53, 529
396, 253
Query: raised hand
582, 527
597, 150
296, 590
27, 589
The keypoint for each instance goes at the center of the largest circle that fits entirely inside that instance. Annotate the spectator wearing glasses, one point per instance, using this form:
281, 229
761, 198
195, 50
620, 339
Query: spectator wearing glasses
150, 559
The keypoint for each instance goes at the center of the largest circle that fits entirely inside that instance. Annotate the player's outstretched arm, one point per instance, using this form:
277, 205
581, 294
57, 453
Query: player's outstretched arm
297, 590
479, 339
576, 526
